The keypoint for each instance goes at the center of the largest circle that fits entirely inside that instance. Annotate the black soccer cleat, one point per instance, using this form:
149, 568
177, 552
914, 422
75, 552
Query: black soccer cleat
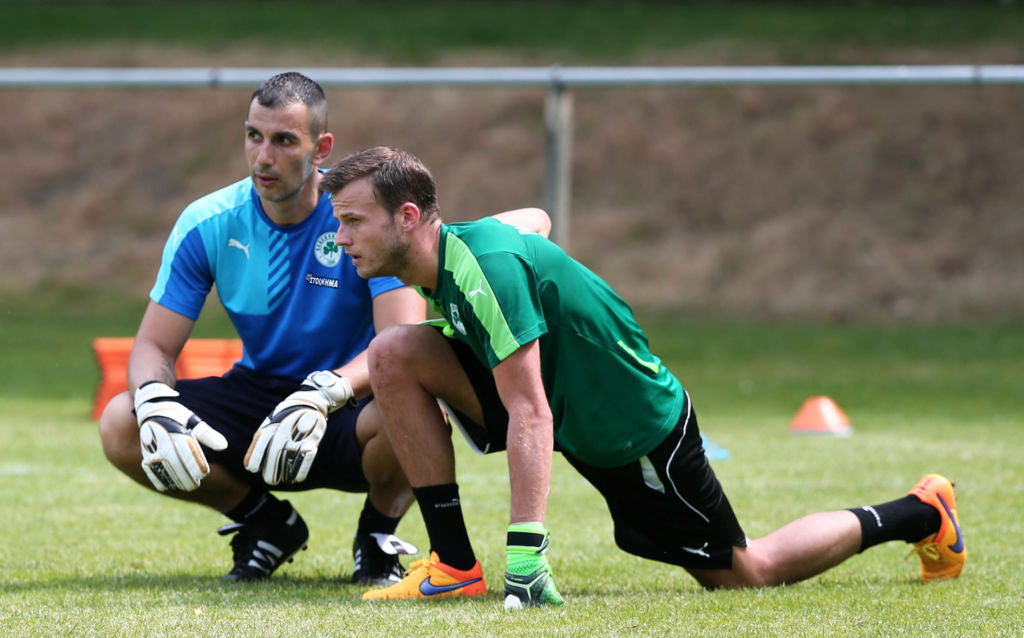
263, 546
371, 565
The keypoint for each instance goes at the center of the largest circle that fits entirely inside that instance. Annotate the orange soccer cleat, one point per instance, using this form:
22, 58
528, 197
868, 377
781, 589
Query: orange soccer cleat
430, 578
944, 553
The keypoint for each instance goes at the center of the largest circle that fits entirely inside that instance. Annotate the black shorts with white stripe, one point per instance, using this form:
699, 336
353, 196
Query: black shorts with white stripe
668, 506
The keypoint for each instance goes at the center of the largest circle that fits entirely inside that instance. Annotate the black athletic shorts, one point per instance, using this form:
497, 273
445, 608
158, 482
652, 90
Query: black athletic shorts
237, 403
667, 506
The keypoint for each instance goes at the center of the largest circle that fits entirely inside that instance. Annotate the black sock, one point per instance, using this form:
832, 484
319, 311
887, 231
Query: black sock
257, 505
442, 515
370, 520
905, 519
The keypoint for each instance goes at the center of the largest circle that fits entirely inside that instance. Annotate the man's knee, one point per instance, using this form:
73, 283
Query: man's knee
396, 349
749, 569
119, 432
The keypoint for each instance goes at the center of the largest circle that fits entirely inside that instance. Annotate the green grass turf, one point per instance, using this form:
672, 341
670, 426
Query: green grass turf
597, 31
83, 551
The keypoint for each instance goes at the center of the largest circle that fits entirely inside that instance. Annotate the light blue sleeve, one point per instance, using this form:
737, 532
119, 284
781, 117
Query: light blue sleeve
380, 285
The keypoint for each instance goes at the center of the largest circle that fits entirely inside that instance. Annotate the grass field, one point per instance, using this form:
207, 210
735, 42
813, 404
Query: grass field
85, 552
604, 31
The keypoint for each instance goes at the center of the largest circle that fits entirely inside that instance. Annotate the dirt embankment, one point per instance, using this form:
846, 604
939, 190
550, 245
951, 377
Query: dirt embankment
828, 203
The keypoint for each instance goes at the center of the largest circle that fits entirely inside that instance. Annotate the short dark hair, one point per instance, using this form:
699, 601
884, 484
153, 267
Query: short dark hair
293, 87
398, 177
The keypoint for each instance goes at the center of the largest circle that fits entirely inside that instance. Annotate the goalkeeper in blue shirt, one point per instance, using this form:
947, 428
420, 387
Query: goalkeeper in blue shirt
292, 414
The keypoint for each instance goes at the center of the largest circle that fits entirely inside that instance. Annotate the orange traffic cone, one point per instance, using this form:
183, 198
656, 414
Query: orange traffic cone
820, 415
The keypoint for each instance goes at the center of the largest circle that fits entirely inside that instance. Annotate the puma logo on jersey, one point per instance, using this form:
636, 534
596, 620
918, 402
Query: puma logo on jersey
477, 291
234, 243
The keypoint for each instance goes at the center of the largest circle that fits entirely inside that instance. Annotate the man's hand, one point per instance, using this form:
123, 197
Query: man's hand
284, 446
170, 434
528, 580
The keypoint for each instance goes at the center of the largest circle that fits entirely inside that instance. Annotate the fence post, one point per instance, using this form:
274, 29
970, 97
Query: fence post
558, 160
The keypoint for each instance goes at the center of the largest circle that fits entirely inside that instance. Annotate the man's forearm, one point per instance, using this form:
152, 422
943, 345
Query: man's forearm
148, 363
530, 447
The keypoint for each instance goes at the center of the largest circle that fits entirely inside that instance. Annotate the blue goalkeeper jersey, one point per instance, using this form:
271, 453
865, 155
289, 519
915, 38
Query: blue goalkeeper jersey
292, 294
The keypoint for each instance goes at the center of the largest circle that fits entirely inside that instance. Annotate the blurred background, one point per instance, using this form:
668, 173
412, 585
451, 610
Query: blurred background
822, 203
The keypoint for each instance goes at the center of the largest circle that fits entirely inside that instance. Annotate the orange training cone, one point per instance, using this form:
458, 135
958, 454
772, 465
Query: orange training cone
820, 415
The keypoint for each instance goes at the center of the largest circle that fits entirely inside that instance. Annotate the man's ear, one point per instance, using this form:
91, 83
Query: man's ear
408, 216
322, 150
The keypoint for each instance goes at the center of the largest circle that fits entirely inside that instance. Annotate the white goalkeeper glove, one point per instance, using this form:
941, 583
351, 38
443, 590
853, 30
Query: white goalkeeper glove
284, 446
170, 434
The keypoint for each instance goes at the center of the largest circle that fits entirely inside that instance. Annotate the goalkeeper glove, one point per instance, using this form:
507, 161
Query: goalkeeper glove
170, 434
284, 446
528, 579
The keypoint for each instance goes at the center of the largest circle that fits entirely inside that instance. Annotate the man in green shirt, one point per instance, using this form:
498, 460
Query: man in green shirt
538, 354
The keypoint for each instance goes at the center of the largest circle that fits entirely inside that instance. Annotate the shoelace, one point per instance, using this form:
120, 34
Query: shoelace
239, 541
930, 550
425, 563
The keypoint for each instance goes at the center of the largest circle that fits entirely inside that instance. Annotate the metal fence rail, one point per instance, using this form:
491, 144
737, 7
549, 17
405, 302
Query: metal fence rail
557, 79
198, 77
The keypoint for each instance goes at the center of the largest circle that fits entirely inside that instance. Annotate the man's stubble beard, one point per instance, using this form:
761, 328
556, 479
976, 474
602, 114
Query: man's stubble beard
396, 261
310, 169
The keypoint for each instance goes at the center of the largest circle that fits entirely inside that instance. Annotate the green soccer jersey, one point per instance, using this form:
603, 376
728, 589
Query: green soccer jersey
500, 288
